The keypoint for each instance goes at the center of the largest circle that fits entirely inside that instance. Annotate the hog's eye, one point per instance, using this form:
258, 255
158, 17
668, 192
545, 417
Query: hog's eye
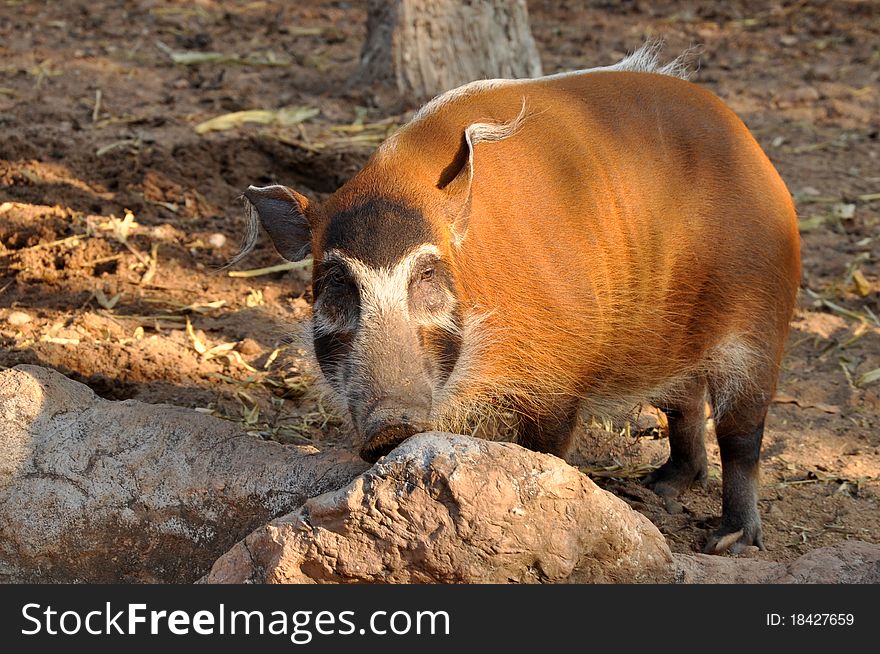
427, 275
334, 278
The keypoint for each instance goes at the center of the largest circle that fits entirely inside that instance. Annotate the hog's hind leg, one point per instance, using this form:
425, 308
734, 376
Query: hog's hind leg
686, 417
739, 428
739, 431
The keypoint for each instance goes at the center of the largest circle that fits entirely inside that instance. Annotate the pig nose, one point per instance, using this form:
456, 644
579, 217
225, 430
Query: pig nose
388, 428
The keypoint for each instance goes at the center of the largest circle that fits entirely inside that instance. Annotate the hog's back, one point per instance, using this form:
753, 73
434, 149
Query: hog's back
629, 227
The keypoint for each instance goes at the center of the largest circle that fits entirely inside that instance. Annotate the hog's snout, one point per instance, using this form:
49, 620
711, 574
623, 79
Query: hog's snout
385, 429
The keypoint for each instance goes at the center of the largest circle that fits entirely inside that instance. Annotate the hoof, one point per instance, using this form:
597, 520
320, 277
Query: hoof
670, 480
728, 540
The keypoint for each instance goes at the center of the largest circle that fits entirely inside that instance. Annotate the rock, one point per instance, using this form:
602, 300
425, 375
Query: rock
851, 562
650, 419
453, 509
821, 72
217, 240
99, 491
799, 95
249, 347
18, 318
711, 569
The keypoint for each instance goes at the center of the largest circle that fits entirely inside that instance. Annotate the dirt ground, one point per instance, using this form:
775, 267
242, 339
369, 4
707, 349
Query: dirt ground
115, 214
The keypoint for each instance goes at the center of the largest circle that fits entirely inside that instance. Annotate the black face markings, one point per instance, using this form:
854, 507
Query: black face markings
377, 232
330, 350
337, 297
383, 296
442, 349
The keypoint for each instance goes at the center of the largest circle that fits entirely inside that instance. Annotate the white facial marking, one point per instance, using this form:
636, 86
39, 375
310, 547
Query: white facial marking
384, 292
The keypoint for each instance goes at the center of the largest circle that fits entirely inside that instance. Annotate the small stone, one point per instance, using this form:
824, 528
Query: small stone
843, 210
648, 420
217, 240
249, 347
799, 95
749, 551
18, 318
823, 72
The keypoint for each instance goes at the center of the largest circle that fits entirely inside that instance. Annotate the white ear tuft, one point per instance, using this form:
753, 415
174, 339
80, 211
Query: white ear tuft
488, 132
483, 133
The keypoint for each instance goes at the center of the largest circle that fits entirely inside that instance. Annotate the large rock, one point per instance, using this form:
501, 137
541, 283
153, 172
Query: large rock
446, 508
852, 562
100, 491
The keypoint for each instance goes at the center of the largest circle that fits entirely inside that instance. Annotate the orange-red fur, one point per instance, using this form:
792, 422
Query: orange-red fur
630, 234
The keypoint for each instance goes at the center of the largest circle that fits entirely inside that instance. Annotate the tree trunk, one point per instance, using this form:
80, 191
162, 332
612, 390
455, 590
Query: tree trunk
422, 48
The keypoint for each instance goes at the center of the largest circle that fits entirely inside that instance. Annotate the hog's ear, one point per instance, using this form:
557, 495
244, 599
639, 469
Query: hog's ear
455, 182
457, 178
282, 212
